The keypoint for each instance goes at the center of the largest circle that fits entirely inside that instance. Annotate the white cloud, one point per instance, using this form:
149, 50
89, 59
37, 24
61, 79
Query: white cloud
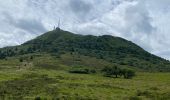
145, 22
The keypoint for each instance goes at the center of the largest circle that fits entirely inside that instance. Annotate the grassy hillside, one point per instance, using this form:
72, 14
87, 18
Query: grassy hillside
40, 69
113, 50
46, 77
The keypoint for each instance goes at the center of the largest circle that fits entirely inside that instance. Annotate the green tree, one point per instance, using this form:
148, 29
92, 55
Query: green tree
128, 73
112, 71
2, 55
29, 50
116, 72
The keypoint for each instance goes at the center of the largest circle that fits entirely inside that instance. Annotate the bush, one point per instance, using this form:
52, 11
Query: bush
37, 98
144, 93
31, 58
82, 70
21, 60
134, 98
56, 55
93, 71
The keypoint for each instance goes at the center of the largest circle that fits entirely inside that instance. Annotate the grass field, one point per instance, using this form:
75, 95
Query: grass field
51, 84
20, 82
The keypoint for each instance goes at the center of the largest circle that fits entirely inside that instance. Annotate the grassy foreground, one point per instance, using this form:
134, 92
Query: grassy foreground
47, 78
37, 84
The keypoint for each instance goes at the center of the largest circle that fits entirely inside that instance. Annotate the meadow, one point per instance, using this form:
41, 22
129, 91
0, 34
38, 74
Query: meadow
32, 81
29, 84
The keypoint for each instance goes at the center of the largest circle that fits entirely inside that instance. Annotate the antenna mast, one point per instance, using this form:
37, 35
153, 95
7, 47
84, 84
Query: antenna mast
58, 27
54, 28
59, 24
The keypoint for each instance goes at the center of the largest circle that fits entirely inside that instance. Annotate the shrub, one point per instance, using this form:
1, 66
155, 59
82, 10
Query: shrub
37, 98
21, 60
144, 93
31, 57
93, 71
56, 55
134, 98
82, 70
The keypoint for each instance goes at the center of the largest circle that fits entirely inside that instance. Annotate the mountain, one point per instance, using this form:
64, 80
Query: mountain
113, 50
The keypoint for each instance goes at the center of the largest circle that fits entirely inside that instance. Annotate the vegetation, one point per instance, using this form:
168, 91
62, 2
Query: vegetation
81, 70
111, 49
33, 83
118, 72
60, 65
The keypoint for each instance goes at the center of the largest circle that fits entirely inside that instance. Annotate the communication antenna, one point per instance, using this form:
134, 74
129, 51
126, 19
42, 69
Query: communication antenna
59, 24
58, 27
54, 28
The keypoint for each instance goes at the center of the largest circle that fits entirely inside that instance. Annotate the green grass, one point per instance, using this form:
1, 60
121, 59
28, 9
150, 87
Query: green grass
48, 78
61, 84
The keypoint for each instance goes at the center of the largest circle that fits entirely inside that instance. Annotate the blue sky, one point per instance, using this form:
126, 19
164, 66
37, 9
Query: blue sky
145, 22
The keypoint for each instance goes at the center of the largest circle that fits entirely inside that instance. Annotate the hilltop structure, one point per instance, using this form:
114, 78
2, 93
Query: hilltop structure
58, 27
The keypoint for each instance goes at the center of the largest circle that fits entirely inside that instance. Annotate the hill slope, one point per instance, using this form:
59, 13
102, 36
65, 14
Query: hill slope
113, 50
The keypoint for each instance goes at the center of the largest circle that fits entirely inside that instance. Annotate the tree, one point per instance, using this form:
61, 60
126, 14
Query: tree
16, 49
2, 55
112, 71
29, 50
21, 51
115, 71
128, 73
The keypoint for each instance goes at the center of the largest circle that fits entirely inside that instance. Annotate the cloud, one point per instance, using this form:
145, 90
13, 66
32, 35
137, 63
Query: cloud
145, 22
138, 20
80, 6
30, 25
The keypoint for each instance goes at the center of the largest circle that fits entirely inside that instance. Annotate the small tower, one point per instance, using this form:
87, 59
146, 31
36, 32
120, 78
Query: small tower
58, 27
54, 28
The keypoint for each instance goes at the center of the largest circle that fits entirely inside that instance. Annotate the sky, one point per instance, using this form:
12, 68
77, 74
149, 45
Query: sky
144, 22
